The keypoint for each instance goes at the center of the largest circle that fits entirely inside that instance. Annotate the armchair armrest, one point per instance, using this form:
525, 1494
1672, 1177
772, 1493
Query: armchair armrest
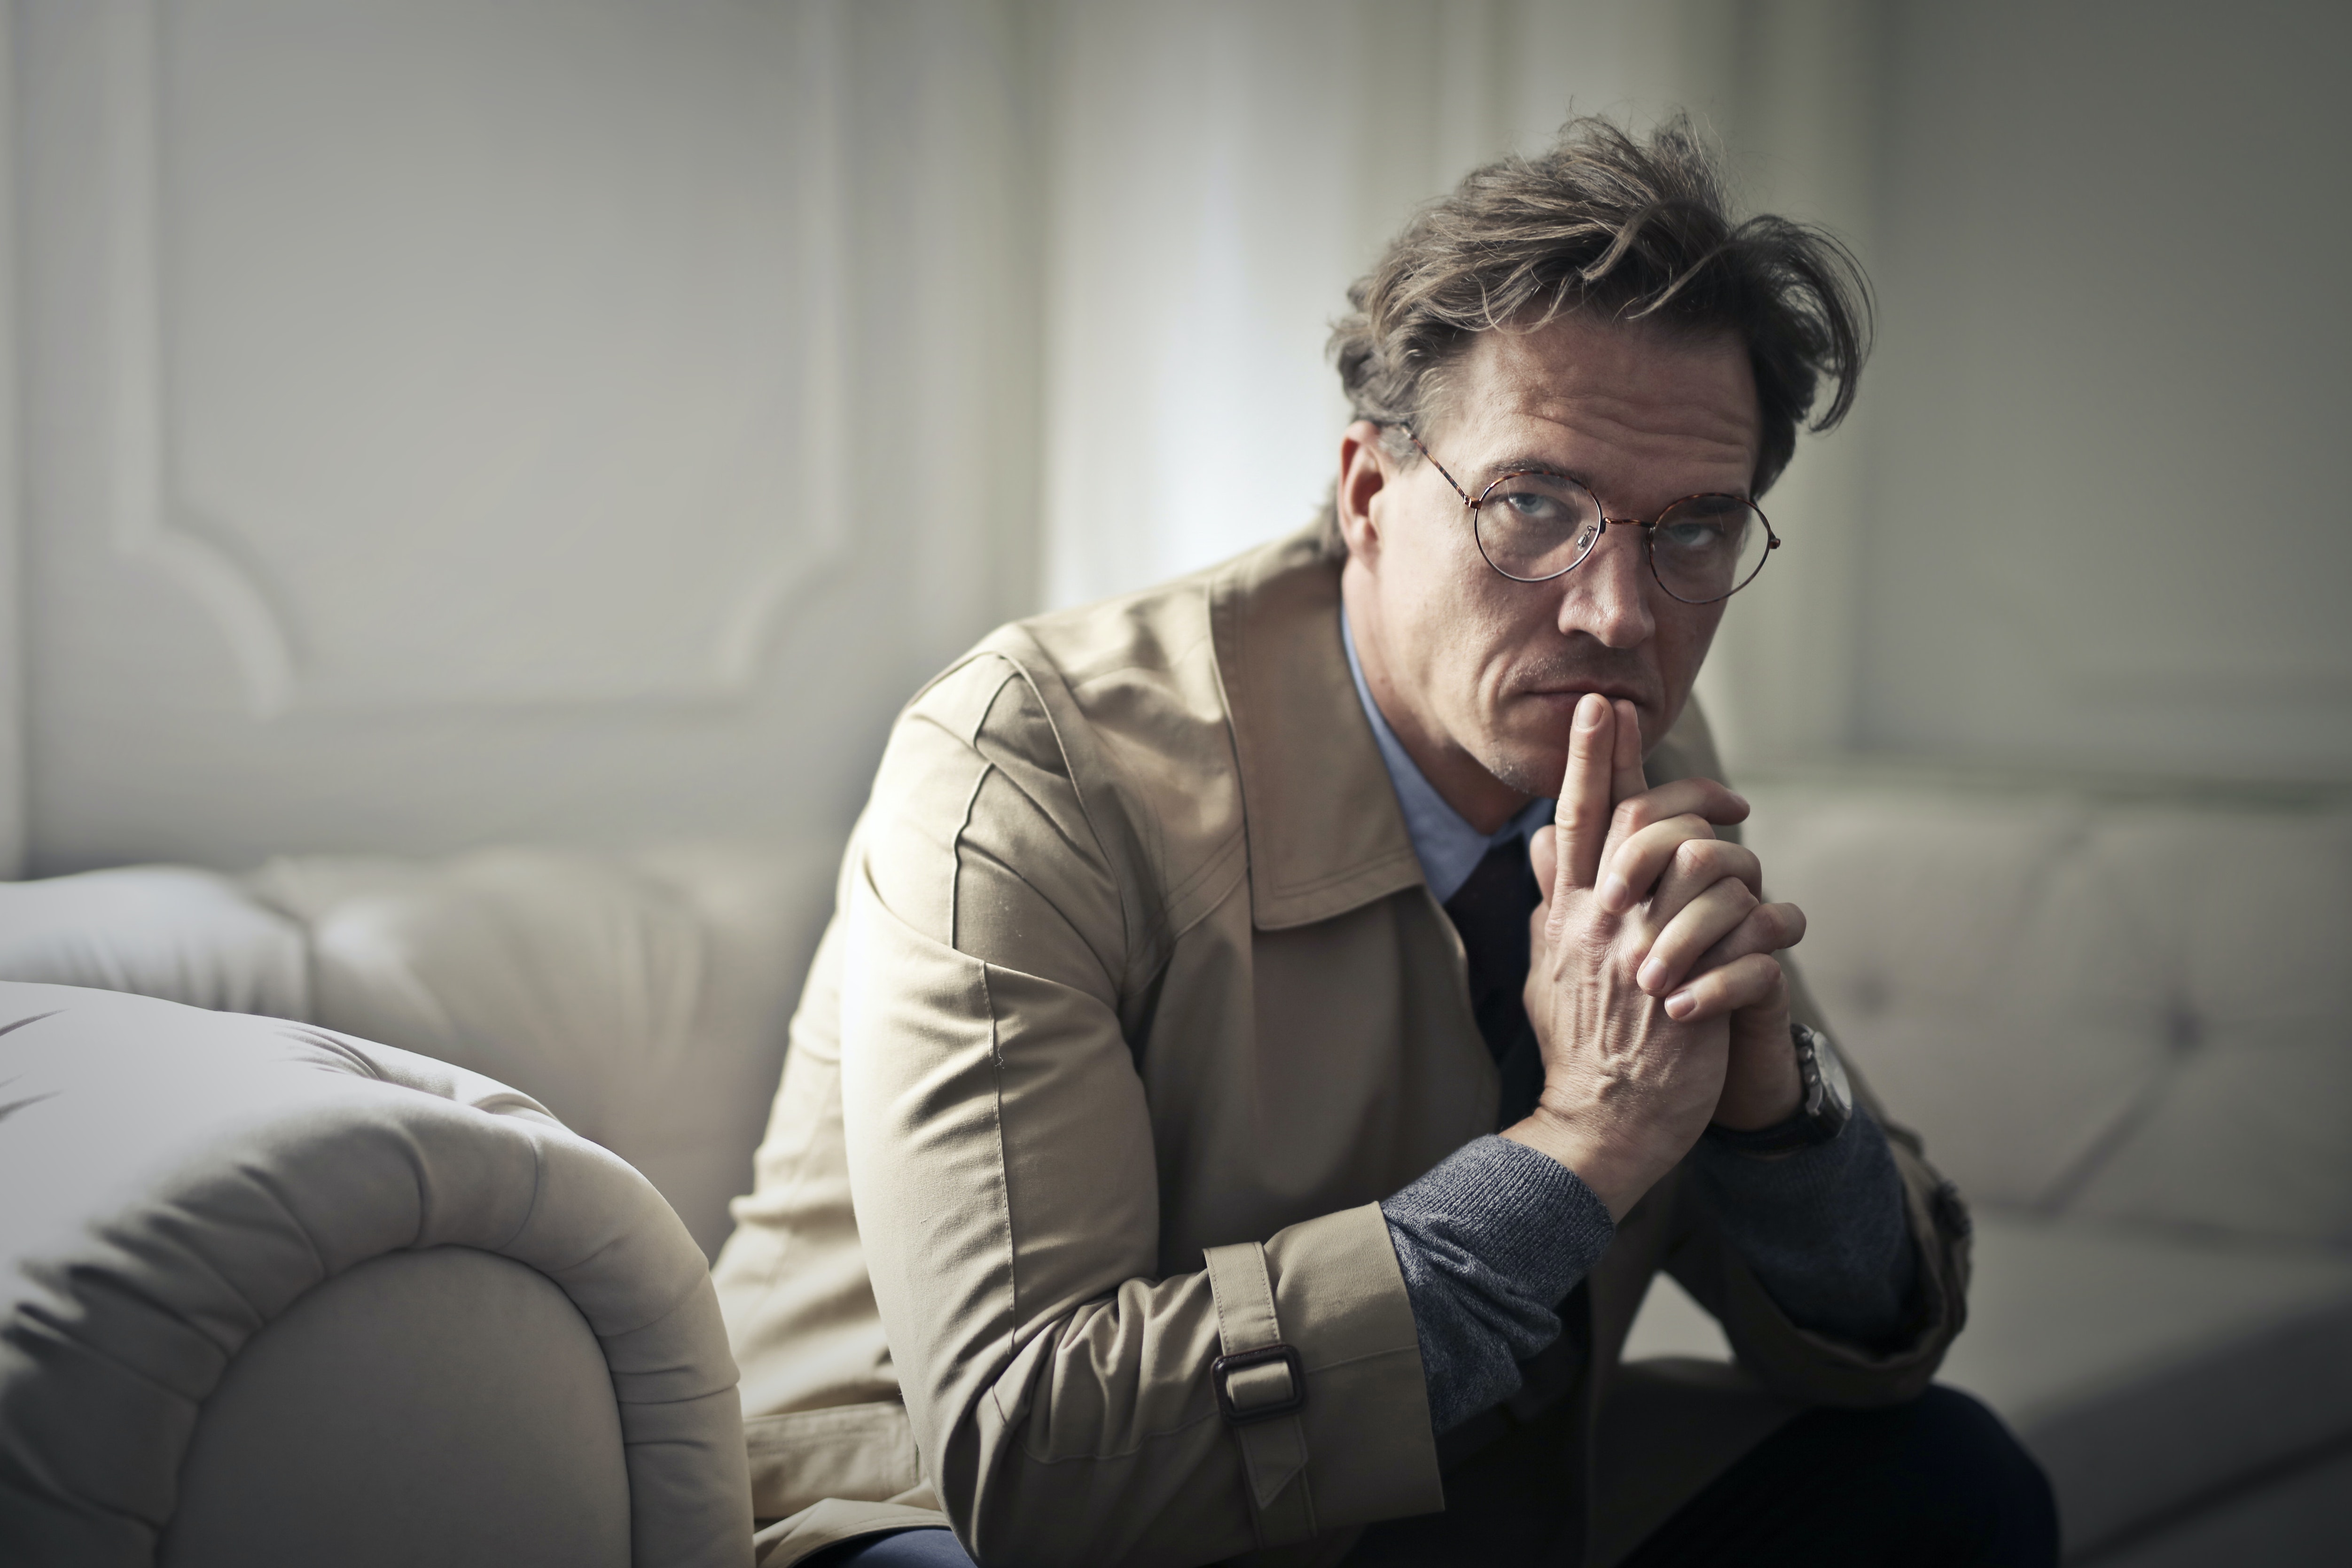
178, 1181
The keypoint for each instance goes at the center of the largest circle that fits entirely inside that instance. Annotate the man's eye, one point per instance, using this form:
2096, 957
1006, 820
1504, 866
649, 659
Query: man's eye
1533, 506
1693, 536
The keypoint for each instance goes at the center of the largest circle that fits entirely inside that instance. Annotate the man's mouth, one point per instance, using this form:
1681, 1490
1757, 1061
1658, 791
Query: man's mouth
1611, 690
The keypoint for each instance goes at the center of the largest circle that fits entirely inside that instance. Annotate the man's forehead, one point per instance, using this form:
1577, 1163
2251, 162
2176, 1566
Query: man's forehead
1638, 385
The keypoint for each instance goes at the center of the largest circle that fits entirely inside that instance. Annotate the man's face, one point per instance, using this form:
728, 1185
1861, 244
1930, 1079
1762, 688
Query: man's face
1480, 674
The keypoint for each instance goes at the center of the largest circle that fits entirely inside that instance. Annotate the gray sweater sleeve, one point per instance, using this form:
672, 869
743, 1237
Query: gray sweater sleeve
1491, 1241
1823, 1229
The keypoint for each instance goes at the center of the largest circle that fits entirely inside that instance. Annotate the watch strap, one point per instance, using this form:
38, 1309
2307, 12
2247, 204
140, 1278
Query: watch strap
1820, 1115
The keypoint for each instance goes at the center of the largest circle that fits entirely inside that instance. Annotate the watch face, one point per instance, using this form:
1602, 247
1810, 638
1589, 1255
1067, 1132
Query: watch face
1835, 1089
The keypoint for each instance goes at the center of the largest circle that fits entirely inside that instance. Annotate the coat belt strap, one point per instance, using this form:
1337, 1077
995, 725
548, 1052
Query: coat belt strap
1261, 1388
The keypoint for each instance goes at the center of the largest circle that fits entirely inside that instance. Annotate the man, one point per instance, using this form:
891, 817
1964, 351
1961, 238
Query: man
1274, 1025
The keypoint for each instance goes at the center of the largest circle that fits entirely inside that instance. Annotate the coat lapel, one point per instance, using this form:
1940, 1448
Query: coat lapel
1326, 834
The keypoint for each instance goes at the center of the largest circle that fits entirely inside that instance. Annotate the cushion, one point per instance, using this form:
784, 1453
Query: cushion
2293, 1520
2145, 1370
2251, 913
2148, 1371
174, 932
2119, 1009
2251, 1134
644, 999
1974, 976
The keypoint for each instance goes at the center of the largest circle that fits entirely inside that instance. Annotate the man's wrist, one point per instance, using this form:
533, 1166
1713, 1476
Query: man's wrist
1617, 1177
1752, 1112
1753, 1099
1824, 1102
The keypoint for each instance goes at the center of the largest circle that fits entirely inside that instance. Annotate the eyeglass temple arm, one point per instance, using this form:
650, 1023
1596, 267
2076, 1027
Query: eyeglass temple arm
1433, 462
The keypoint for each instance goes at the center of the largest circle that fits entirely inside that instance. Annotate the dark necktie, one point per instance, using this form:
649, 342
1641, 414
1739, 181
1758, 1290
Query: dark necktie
1490, 910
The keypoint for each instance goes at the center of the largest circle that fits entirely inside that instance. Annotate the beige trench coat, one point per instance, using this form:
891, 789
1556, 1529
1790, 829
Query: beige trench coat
1133, 959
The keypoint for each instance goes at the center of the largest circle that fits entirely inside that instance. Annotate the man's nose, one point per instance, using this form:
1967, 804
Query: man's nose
1608, 595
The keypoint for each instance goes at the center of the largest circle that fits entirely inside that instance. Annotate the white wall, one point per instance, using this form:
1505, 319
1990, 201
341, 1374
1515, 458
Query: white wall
1800, 130
555, 420
2108, 523
587, 420
13, 822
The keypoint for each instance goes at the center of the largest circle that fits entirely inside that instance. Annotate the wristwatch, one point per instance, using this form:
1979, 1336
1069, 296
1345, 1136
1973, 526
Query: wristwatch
1825, 1102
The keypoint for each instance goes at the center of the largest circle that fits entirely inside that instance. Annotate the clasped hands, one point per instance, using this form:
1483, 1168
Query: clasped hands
1653, 984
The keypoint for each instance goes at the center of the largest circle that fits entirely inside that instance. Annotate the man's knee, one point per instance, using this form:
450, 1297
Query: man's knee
1966, 1469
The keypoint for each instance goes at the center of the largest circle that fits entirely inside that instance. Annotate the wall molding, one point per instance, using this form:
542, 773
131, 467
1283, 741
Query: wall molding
151, 522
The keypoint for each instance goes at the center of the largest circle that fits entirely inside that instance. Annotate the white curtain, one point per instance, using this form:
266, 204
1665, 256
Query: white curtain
1219, 171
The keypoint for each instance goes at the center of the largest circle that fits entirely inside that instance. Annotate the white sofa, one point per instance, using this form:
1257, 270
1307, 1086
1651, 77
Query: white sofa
2122, 1025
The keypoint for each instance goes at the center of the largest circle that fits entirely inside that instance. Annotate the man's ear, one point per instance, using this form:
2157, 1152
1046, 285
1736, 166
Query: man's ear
1364, 473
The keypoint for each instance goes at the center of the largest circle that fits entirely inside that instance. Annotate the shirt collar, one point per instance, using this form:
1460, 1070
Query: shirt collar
1449, 848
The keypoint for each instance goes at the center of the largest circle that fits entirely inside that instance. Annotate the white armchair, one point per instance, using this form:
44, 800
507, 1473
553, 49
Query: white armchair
643, 998
270, 1294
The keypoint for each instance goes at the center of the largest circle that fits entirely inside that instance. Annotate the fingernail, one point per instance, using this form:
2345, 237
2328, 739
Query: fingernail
1681, 1005
1615, 897
1652, 977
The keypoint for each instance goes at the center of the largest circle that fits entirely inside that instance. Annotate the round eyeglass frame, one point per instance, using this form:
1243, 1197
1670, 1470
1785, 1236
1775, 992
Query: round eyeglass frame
1649, 528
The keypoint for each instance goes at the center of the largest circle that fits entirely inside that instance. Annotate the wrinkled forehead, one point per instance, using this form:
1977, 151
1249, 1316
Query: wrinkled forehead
1578, 388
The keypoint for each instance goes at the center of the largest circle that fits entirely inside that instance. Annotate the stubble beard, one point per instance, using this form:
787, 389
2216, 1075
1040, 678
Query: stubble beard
1536, 778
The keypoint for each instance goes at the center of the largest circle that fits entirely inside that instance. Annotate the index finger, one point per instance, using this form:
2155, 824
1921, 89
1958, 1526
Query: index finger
1627, 779
1580, 817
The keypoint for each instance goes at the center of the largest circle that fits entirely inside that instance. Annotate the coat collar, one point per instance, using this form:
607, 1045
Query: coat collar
1325, 833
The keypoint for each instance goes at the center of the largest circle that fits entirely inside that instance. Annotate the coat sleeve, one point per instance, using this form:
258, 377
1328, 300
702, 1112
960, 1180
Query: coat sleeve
1003, 1167
1815, 1367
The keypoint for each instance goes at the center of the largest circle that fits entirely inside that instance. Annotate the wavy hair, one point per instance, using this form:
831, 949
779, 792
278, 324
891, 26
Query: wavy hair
1638, 228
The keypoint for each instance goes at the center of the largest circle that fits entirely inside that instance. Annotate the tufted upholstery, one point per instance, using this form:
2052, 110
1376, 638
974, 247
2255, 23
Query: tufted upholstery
2125, 1024
182, 1183
174, 932
2124, 1027
2130, 1011
643, 996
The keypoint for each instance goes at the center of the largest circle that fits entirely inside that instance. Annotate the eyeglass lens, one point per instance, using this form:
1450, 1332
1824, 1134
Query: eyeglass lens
1532, 526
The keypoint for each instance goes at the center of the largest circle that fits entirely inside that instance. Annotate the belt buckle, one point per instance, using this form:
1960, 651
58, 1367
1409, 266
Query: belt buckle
1224, 1367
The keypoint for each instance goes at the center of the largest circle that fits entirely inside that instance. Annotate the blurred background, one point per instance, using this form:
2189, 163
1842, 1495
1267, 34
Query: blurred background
435, 422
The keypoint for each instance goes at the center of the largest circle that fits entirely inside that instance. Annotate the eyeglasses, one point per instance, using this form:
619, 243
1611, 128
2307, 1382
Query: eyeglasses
1533, 527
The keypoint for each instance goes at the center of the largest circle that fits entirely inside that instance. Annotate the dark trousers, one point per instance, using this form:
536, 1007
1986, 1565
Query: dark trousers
1936, 1483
